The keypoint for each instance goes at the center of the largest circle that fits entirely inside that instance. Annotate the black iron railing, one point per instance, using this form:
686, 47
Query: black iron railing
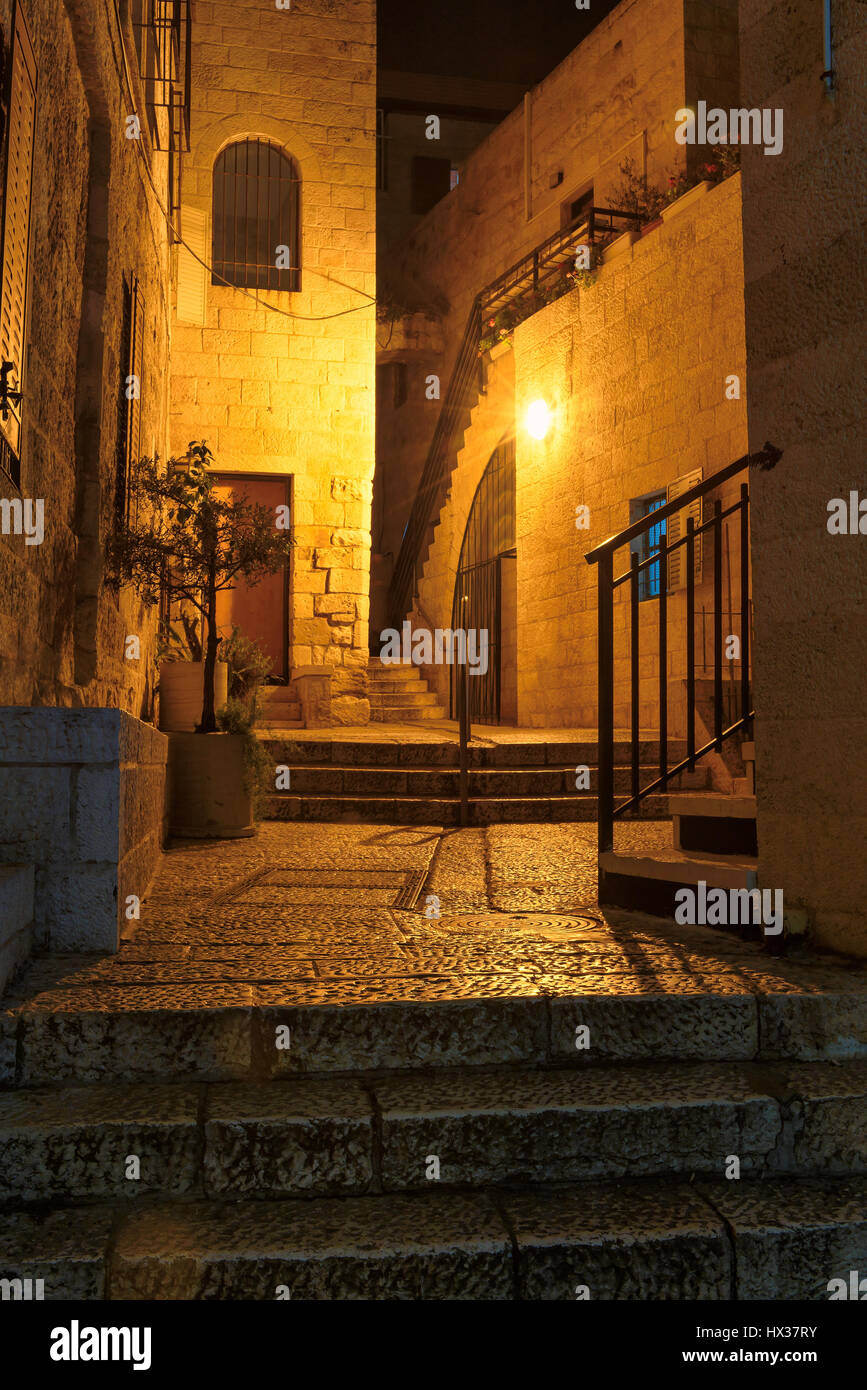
604, 557
532, 274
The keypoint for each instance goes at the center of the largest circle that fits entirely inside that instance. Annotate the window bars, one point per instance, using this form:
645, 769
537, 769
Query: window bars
256, 222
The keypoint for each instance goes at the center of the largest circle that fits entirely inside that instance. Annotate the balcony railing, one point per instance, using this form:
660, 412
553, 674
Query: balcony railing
533, 274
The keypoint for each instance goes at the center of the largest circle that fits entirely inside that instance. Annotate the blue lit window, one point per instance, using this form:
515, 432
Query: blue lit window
648, 543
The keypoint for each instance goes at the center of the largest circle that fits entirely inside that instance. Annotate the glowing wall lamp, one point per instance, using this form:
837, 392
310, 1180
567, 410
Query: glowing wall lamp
538, 419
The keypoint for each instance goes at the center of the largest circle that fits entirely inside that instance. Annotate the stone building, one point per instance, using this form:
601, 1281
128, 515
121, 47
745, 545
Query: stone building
633, 367
804, 263
118, 123
272, 353
87, 178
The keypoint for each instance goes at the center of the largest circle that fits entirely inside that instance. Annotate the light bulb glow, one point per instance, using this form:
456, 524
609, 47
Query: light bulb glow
538, 419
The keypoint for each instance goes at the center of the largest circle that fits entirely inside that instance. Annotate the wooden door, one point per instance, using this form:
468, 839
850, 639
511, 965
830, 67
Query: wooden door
261, 611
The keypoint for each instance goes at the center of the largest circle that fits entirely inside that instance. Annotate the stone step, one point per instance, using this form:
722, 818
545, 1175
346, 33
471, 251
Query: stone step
416, 698
429, 810
715, 823
379, 751
315, 1136
405, 713
17, 888
650, 882
438, 782
212, 1030
642, 1240
397, 685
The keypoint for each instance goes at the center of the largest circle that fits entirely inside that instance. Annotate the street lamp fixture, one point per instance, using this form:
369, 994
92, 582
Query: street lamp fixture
538, 419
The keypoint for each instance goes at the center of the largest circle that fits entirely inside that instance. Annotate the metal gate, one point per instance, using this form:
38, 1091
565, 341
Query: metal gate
477, 606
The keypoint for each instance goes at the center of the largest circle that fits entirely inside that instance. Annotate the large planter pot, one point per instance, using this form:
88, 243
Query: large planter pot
686, 200
181, 686
207, 799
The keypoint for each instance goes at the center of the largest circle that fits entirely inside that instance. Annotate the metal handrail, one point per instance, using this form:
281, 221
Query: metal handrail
603, 556
521, 279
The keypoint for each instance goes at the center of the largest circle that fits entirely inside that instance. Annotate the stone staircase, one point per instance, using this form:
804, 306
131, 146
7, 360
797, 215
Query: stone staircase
455, 1149
400, 695
278, 710
714, 842
417, 783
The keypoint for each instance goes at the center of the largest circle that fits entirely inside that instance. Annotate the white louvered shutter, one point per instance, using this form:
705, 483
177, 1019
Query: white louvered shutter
677, 528
192, 283
16, 219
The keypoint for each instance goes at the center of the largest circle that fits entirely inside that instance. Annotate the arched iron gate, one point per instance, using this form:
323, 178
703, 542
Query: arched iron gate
489, 538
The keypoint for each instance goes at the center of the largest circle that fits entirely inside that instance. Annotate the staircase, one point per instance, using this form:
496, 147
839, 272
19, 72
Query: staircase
278, 710
518, 289
412, 782
429, 1151
714, 842
400, 694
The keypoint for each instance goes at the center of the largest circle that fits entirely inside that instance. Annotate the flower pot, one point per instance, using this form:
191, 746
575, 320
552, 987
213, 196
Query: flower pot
181, 684
686, 199
207, 797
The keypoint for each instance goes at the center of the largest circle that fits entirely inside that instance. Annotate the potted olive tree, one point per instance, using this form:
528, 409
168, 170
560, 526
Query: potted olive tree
181, 529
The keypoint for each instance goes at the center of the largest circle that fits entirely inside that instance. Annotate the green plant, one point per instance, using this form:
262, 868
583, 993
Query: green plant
235, 718
636, 195
181, 644
249, 668
202, 542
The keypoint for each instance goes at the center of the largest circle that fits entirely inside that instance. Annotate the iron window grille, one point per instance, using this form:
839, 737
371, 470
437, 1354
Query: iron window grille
256, 217
164, 44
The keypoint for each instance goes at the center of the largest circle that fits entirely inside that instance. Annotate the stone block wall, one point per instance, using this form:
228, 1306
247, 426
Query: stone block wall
634, 370
614, 98
94, 219
805, 255
82, 801
286, 386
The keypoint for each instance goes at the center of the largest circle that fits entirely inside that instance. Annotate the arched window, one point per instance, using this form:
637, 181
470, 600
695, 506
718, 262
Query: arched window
257, 233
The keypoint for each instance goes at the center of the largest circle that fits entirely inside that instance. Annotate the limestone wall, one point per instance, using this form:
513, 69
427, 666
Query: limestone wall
292, 392
614, 98
805, 254
82, 801
94, 219
634, 370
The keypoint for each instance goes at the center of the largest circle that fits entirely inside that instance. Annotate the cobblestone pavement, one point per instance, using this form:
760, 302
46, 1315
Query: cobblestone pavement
324, 914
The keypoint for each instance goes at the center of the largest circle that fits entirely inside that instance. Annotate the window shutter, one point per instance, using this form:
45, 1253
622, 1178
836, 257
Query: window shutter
677, 529
192, 275
16, 219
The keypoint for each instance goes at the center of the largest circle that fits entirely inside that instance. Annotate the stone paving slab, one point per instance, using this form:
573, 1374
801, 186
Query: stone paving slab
648, 1026
67, 1249
395, 1035
74, 1142
557, 1126
794, 1236
206, 967
434, 1246
626, 1241
283, 1137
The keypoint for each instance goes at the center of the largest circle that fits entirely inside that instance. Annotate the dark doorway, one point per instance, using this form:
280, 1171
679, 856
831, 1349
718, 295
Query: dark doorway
486, 590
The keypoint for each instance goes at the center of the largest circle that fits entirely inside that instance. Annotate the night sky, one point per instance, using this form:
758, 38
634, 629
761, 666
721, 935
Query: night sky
501, 40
